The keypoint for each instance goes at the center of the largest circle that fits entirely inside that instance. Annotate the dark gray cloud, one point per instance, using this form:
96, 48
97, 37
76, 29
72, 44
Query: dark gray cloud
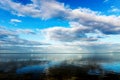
76, 32
64, 34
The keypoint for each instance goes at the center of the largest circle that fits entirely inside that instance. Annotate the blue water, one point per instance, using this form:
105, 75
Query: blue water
36, 68
115, 67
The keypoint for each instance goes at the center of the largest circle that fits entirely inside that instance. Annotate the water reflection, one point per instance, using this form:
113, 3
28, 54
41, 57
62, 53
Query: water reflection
32, 62
112, 67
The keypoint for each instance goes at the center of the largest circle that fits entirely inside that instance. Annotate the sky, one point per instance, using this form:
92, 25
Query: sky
59, 26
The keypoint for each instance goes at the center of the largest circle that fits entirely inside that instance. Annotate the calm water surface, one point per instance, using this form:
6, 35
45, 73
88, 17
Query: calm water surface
33, 62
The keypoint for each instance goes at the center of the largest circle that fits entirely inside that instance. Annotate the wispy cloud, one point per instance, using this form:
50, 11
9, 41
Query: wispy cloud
106, 0
15, 21
114, 9
25, 31
10, 40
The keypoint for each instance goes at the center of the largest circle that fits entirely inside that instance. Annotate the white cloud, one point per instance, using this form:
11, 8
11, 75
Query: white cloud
50, 9
15, 21
61, 48
39, 8
95, 47
94, 19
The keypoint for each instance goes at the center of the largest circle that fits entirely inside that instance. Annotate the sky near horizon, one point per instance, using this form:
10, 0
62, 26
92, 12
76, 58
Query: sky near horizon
59, 26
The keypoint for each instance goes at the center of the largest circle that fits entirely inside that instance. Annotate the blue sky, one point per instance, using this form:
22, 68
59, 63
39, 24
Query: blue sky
59, 26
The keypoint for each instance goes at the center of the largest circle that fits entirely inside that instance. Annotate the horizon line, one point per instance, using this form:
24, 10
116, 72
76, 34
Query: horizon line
63, 53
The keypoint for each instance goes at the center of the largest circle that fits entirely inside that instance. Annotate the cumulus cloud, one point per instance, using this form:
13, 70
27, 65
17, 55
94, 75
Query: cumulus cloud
103, 23
85, 21
74, 33
39, 8
52, 9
